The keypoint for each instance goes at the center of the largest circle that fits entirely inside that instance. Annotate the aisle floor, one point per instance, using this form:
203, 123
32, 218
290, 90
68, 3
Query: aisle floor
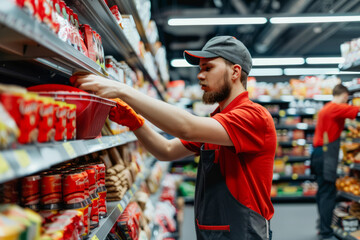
295, 221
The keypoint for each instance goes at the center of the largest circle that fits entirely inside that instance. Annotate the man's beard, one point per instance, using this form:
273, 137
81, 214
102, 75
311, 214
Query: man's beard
222, 94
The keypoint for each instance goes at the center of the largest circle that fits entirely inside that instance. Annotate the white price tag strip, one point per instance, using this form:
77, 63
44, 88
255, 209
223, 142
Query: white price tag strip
120, 207
4, 166
22, 157
94, 238
69, 149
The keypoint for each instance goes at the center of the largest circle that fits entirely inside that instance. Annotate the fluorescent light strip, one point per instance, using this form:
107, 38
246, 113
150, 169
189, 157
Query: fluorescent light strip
324, 60
257, 72
216, 21
181, 63
277, 61
314, 19
310, 71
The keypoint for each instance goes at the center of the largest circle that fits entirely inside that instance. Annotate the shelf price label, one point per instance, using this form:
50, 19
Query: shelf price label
69, 149
120, 207
100, 140
131, 193
94, 238
22, 157
294, 176
135, 188
4, 166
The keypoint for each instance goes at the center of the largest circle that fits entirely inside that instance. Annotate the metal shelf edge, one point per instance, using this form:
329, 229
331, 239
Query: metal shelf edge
34, 158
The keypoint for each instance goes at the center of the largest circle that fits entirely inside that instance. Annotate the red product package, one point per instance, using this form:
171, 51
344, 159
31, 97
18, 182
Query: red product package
88, 37
46, 120
30, 191
23, 108
115, 11
71, 122
31, 6
61, 111
128, 223
51, 190
97, 51
45, 9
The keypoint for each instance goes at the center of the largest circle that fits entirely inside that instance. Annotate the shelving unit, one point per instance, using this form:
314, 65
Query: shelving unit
29, 159
98, 15
293, 177
23, 38
342, 234
115, 209
349, 196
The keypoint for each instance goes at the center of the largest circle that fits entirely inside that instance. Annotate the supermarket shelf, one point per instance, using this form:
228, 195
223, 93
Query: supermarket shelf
293, 177
355, 88
355, 66
285, 99
292, 159
98, 15
293, 199
24, 38
300, 142
115, 209
355, 166
128, 7
29, 159
342, 234
349, 196
301, 126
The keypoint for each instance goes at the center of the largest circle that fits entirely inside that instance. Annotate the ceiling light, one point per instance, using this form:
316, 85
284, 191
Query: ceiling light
215, 21
257, 72
310, 71
181, 63
324, 60
314, 19
277, 61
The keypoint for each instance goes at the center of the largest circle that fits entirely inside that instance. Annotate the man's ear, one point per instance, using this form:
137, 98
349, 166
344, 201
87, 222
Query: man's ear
236, 74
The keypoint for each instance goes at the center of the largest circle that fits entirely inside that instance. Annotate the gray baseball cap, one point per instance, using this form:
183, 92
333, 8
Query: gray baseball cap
227, 47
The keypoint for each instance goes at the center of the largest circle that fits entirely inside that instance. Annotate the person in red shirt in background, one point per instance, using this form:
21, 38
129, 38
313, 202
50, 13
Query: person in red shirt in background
236, 144
324, 159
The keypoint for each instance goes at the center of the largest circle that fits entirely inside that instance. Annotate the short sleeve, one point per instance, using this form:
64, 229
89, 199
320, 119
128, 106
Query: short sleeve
346, 111
192, 146
246, 128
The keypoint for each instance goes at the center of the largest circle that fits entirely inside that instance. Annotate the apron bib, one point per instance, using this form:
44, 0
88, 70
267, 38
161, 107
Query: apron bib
218, 215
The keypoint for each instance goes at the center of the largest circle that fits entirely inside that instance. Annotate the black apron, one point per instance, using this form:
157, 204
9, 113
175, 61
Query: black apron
218, 215
331, 160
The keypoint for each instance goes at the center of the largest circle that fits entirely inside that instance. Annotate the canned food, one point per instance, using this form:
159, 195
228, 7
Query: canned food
73, 188
10, 191
30, 191
51, 190
94, 213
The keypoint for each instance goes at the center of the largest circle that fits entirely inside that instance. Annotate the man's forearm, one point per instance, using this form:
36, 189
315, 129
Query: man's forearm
170, 119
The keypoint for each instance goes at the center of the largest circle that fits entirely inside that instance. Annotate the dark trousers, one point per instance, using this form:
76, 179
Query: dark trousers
326, 195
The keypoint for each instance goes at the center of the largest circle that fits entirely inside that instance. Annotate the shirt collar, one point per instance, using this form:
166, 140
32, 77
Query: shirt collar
241, 98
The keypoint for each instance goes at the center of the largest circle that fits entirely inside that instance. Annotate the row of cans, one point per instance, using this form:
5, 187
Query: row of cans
65, 187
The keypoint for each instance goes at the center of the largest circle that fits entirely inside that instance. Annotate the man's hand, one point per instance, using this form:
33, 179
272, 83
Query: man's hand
97, 85
124, 115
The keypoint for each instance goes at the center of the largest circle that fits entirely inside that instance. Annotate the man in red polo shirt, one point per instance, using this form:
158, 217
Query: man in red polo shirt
324, 159
236, 144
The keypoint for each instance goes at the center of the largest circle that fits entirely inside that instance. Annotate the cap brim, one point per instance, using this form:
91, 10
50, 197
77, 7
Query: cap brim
193, 57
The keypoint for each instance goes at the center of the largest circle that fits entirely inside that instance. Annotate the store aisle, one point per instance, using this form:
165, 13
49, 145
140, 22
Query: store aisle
294, 221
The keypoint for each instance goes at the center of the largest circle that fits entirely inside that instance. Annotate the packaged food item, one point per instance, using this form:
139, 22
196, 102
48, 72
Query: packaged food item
8, 129
71, 122
51, 190
115, 11
87, 35
61, 111
10, 191
94, 197
30, 192
10, 229
46, 120
102, 191
24, 110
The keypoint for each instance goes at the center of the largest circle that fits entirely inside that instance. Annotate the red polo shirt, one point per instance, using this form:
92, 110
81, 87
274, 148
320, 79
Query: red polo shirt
248, 165
331, 119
